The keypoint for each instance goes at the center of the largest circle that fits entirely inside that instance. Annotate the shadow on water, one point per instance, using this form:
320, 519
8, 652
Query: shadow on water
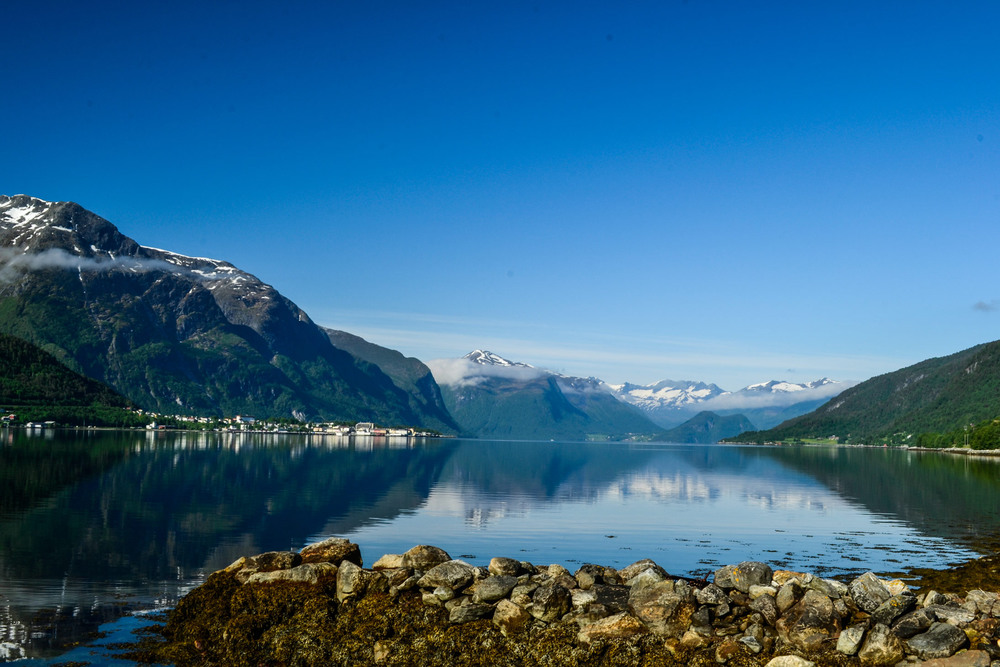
956, 498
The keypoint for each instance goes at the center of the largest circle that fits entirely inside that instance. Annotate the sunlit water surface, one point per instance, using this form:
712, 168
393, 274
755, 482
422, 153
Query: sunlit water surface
94, 526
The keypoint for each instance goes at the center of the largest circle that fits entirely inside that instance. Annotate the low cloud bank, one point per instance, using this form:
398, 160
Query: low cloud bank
16, 262
743, 401
463, 372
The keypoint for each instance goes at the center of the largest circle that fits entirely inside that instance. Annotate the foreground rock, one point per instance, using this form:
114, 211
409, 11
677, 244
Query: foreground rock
321, 607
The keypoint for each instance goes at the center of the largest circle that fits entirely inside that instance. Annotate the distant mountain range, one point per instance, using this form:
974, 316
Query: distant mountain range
189, 335
492, 397
670, 403
936, 395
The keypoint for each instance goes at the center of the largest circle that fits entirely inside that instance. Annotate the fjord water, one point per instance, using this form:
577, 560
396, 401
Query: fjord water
94, 525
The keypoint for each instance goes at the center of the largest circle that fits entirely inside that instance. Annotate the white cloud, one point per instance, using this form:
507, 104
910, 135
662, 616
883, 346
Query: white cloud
16, 262
740, 401
463, 372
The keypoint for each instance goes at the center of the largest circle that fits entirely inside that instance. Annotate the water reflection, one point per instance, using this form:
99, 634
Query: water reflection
96, 523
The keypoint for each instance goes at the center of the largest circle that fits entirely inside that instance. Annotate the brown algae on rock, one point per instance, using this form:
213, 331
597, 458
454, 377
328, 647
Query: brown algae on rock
460, 615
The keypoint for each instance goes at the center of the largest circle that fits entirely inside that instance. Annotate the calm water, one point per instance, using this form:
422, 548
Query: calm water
94, 526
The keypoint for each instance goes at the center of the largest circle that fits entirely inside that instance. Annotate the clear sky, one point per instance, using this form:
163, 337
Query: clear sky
730, 192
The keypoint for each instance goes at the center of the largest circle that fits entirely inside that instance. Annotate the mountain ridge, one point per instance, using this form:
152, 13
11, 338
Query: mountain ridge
179, 334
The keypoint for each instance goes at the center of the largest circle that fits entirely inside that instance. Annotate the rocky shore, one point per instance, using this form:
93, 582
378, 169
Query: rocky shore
320, 606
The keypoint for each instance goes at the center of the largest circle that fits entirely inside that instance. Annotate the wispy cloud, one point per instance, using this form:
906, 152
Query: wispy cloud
987, 306
738, 401
15, 262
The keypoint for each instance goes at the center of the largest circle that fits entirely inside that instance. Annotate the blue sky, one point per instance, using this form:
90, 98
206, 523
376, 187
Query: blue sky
721, 191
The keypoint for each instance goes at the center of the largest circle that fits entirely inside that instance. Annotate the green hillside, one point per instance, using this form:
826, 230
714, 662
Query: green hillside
937, 395
36, 386
708, 427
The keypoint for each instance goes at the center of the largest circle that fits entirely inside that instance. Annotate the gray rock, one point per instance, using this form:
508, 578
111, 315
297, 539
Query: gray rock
940, 641
505, 567
788, 595
494, 588
711, 594
743, 576
588, 575
933, 597
333, 550
351, 581
641, 566
983, 601
850, 639
831, 588
810, 622
881, 647
790, 661
868, 592
950, 614
550, 603
752, 643
424, 557
648, 577
453, 574
914, 623
893, 608
308, 573
664, 611
275, 560
767, 607
470, 612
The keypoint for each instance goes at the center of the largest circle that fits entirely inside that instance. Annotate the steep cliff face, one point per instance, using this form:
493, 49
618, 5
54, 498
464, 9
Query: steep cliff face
175, 333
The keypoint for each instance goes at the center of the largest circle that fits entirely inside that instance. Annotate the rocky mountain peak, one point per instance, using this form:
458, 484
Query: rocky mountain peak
487, 358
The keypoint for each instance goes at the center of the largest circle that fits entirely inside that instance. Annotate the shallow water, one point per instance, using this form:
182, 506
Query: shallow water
99, 524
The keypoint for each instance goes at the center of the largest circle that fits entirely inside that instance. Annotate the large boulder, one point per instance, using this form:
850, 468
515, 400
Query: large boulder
881, 647
868, 592
307, 573
810, 622
332, 550
424, 557
662, 609
453, 574
743, 576
940, 641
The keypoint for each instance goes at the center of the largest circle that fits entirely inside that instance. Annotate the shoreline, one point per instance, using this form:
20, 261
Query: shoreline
319, 606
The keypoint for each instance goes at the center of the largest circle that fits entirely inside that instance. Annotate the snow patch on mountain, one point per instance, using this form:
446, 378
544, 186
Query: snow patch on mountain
479, 365
686, 396
25, 219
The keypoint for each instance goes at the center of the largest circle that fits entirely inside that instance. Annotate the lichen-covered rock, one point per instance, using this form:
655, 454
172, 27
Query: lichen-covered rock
850, 639
810, 622
743, 576
307, 573
640, 566
893, 608
424, 557
470, 611
940, 641
788, 595
618, 626
333, 550
868, 592
663, 610
494, 588
351, 581
550, 603
453, 574
881, 647
510, 618
914, 623
389, 562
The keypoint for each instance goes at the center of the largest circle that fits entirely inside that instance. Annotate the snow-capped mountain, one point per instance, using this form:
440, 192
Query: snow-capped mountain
766, 404
487, 358
666, 394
